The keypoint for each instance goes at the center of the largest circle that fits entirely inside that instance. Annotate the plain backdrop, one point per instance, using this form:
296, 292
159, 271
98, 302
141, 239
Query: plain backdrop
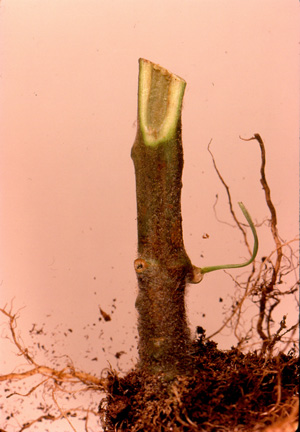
68, 86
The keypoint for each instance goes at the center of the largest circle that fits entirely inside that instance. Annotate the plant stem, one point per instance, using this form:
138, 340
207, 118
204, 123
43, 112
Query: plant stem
162, 266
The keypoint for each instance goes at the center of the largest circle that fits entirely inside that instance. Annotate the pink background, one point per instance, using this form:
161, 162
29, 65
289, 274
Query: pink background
68, 87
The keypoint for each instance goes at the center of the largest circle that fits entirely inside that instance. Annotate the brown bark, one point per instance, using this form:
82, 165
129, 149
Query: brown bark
162, 266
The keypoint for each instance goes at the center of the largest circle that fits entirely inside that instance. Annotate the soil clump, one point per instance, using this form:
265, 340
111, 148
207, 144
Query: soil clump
224, 391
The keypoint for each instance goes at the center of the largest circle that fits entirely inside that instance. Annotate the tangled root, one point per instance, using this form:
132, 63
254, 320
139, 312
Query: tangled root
227, 391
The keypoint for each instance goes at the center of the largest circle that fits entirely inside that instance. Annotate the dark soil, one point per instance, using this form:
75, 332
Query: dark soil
226, 391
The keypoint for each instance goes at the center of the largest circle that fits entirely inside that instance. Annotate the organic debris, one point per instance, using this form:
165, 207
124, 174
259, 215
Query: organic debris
227, 391
104, 314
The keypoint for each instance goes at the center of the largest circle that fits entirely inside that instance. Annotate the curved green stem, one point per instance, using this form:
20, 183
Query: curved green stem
204, 270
